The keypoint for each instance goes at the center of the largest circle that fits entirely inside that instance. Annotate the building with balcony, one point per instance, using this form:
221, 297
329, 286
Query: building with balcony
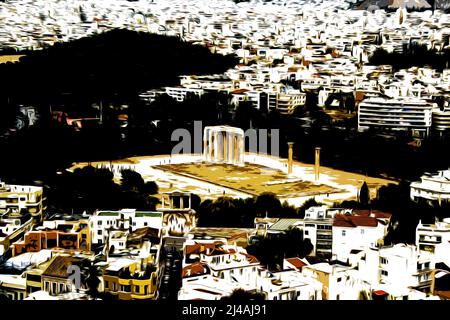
410, 115
428, 236
397, 267
130, 279
433, 188
289, 101
317, 227
18, 200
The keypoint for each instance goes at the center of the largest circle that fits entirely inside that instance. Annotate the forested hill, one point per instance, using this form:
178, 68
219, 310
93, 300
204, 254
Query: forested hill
119, 62
111, 68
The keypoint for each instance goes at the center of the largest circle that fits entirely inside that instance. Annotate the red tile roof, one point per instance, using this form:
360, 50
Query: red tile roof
216, 252
195, 248
195, 269
372, 213
201, 247
351, 221
380, 292
239, 91
296, 262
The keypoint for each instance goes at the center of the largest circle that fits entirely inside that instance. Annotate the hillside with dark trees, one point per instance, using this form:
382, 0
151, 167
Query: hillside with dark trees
88, 189
109, 65
75, 78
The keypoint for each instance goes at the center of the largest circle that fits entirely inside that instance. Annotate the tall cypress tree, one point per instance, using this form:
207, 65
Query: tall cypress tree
364, 195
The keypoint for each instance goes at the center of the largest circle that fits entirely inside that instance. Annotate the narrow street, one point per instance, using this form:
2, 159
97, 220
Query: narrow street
170, 282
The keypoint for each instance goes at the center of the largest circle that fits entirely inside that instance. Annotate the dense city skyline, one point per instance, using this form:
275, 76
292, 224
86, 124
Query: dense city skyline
224, 150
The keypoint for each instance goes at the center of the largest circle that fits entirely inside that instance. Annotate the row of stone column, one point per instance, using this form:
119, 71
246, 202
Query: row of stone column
223, 145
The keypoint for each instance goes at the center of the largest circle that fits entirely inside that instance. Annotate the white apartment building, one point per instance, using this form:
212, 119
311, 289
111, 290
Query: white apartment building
399, 266
118, 240
358, 231
288, 285
317, 227
17, 200
205, 287
219, 269
180, 93
338, 282
432, 187
402, 114
428, 236
289, 101
315, 82
103, 221
343, 83
233, 264
206, 260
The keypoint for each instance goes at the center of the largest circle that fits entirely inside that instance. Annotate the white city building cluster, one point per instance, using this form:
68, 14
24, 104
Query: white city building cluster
213, 269
362, 266
287, 49
320, 45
